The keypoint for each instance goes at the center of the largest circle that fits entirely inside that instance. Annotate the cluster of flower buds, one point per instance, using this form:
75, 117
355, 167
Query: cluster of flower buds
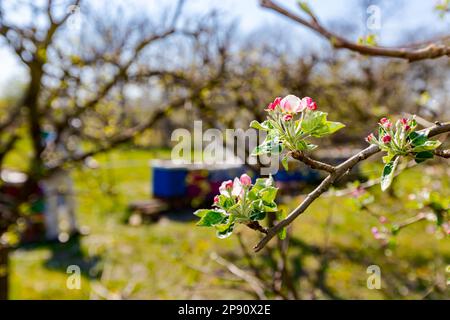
239, 201
291, 105
390, 134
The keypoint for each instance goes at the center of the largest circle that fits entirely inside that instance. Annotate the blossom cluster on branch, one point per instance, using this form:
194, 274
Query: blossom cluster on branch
240, 201
401, 139
290, 123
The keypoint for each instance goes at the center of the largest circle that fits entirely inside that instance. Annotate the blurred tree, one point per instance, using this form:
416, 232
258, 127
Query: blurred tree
81, 97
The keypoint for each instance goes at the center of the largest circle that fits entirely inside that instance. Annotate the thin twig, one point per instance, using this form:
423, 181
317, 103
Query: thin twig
254, 283
314, 164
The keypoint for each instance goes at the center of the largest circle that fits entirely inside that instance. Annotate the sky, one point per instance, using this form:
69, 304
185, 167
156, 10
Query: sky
415, 17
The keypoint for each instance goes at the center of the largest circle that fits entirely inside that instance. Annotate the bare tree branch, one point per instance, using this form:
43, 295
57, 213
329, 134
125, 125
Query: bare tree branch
442, 153
430, 51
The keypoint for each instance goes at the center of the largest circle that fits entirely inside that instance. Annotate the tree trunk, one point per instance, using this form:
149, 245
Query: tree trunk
4, 272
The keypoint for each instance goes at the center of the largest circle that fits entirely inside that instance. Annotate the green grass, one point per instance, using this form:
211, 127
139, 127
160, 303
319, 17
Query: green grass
170, 259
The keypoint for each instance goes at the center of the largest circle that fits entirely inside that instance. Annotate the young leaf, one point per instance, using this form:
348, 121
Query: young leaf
225, 202
417, 139
427, 146
225, 230
301, 145
259, 126
334, 126
271, 207
388, 157
268, 194
257, 215
330, 127
388, 174
285, 163
210, 218
422, 156
314, 121
260, 184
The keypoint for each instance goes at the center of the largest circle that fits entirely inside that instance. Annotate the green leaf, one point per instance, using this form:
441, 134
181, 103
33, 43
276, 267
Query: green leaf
305, 7
285, 163
268, 194
314, 121
225, 230
225, 202
210, 218
388, 174
276, 147
422, 156
388, 157
427, 146
334, 126
257, 215
260, 126
417, 139
330, 127
260, 184
270, 207
301, 145
270, 145
201, 212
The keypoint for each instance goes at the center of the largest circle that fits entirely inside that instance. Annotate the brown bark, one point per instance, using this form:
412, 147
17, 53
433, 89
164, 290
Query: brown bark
4, 273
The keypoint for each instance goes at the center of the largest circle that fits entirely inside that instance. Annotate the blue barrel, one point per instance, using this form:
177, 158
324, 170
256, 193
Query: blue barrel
228, 173
168, 181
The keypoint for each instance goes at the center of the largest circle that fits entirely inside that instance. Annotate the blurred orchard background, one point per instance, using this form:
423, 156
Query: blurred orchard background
90, 93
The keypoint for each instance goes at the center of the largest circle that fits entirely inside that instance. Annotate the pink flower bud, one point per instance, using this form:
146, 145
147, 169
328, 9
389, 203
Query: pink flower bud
387, 138
287, 117
216, 199
271, 107
407, 128
374, 230
225, 187
404, 121
385, 122
382, 219
370, 138
277, 101
245, 180
308, 103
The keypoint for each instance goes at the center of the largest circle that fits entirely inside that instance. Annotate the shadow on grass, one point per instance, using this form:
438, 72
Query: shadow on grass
397, 282
66, 254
